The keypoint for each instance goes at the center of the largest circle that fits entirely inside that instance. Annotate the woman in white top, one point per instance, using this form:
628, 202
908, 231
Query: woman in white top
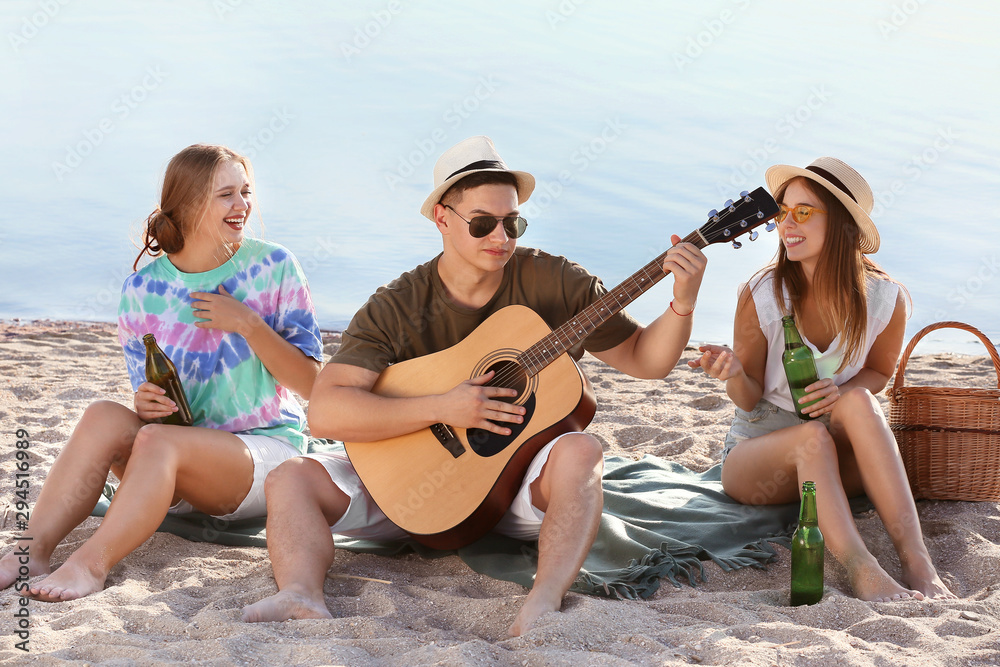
853, 317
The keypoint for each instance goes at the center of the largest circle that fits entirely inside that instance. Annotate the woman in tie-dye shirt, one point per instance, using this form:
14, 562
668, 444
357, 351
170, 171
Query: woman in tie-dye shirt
235, 316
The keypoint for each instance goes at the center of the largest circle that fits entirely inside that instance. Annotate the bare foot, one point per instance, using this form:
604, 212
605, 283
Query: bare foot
926, 580
285, 605
14, 560
69, 582
870, 582
534, 607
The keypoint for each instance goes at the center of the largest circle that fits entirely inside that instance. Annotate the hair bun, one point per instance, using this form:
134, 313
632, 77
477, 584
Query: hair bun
166, 231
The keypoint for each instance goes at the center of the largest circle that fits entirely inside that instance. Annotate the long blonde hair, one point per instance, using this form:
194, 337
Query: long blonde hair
186, 193
840, 282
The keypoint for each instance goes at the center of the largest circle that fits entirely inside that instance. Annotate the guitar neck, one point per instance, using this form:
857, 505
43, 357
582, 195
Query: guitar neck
547, 350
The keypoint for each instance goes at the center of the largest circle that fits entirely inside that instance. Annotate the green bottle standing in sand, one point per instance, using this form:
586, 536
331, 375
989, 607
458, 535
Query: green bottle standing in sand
162, 372
800, 367
807, 552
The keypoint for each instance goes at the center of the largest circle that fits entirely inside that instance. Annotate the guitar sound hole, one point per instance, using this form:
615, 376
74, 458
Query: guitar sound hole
488, 443
508, 374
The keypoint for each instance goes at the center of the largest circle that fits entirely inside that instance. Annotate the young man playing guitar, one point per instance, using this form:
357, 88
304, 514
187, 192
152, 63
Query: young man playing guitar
558, 499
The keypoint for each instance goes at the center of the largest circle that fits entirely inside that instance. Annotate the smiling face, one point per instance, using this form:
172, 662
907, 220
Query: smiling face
803, 242
228, 208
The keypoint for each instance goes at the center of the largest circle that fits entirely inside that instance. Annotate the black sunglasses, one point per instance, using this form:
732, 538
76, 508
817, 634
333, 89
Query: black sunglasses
481, 225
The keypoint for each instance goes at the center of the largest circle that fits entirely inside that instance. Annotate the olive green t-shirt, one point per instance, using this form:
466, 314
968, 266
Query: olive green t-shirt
411, 316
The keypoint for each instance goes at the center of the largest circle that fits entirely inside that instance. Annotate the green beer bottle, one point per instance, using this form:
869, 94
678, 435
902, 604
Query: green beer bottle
800, 367
162, 372
807, 552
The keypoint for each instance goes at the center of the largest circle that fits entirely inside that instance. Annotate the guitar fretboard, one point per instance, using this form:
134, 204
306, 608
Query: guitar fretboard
548, 349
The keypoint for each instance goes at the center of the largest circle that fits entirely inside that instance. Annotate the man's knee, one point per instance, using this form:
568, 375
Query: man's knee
306, 481
295, 473
578, 450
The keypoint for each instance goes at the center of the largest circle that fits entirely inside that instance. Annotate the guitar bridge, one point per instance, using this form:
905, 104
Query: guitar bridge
448, 440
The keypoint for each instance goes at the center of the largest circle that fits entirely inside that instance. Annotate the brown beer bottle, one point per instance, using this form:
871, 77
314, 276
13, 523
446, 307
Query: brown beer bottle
162, 372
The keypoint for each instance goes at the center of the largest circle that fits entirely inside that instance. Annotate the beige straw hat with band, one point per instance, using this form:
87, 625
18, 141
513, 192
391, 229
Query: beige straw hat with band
844, 183
468, 157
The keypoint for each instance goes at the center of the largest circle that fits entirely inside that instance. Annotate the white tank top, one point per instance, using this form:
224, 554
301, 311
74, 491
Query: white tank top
882, 295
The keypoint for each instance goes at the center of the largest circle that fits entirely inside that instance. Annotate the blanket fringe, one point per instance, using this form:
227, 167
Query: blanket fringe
641, 578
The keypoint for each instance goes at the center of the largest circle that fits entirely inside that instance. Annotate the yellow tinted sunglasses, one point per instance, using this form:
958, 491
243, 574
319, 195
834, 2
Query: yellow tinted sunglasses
800, 213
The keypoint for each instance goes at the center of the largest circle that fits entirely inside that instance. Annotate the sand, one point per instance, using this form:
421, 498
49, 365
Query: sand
174, 601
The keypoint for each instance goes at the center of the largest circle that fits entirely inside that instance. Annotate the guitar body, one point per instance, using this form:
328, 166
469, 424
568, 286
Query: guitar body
449, 487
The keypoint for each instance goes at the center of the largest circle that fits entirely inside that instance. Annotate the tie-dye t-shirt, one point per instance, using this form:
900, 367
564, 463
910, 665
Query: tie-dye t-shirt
225, 382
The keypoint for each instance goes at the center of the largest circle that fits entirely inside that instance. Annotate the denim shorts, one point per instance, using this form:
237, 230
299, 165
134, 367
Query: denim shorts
766, 417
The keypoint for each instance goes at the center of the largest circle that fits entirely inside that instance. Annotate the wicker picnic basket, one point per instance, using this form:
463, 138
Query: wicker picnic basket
949, 438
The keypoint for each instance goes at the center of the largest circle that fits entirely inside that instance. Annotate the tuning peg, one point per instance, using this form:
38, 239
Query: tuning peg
714, 215
753, 235
743, 223
729, 202
770, 226
726, 233
744, 193
737, 245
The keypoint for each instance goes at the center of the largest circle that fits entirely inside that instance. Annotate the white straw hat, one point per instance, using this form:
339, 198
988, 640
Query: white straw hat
468, 157
844, 183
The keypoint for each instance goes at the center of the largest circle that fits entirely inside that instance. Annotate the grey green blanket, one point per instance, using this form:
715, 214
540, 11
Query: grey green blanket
660, 521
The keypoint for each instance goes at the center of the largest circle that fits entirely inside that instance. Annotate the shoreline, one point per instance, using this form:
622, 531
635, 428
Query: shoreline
9, 326
165, 599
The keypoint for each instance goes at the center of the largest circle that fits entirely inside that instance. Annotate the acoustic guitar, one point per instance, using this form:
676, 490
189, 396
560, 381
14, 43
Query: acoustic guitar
449, 486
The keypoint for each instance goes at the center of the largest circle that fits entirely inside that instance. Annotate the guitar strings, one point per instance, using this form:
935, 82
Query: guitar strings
652, 272
630, 287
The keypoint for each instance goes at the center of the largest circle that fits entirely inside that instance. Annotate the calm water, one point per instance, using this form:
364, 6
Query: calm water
636, 119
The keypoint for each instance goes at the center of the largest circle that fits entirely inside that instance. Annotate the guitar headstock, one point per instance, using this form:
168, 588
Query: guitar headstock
736, 218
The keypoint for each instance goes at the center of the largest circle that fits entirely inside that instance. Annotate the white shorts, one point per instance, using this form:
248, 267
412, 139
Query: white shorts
267, 454
364, 520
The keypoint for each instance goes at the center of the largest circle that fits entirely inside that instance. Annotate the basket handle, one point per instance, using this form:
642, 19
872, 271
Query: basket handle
944, 325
